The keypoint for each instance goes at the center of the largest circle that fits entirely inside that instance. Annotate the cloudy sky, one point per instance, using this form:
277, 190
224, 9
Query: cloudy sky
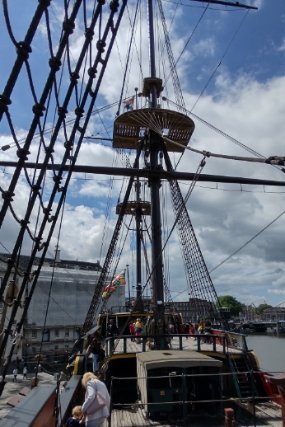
230, 64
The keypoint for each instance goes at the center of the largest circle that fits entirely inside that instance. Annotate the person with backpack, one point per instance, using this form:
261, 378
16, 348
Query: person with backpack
96, 406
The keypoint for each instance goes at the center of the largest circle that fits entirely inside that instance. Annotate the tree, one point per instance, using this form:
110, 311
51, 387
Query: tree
232, 303
261, 307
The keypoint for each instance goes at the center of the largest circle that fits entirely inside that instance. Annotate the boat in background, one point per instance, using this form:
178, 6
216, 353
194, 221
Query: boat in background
280, 328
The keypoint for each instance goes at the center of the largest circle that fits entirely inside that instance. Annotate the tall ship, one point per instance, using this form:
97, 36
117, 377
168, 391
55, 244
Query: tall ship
159, 368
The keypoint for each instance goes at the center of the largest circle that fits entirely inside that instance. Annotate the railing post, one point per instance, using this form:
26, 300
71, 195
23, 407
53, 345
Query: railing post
184, 397
198, 342
112, 341
107, 347
111, 404
224, 344
214, 343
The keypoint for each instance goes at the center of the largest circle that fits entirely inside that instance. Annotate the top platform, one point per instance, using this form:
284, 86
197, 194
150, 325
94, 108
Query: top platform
130, 127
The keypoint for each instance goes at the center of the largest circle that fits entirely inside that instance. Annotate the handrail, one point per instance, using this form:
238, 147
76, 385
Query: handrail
111, 343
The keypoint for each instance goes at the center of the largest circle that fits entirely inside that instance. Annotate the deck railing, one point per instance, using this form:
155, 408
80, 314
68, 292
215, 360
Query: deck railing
221, 342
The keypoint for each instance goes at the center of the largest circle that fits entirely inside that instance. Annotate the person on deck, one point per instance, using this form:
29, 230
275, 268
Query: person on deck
95, 349
96, 406
138, 329
132, 330
25, 372
112, 329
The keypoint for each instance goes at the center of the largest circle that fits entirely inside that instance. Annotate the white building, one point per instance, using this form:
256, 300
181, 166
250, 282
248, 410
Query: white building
58, 308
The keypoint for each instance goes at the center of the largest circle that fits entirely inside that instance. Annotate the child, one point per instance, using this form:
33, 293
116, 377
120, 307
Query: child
76, 419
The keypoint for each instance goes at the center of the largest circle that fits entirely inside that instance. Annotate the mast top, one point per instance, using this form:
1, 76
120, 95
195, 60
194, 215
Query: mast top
150, 83
131, 126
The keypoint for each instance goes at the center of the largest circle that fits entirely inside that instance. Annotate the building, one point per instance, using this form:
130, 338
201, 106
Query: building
194, 309
274, 314
58, 308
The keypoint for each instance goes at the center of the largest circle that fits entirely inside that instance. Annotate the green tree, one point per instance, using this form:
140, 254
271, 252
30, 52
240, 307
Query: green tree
261, 307
232, 303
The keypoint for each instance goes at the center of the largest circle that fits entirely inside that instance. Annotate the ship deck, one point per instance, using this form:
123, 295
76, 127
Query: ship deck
266, 415
262, 414
134, 415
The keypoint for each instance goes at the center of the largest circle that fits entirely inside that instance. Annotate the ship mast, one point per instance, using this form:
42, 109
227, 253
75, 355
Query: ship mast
152, 88
155, 146
127, 134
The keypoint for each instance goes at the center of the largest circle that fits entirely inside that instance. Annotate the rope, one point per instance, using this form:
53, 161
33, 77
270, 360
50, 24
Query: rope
57, 193
50, 289
248, 241
128, 58
220, 62
195, 179
188, 40
273, 160
173, 71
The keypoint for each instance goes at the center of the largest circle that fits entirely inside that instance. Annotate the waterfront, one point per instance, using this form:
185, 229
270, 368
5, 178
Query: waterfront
270, 351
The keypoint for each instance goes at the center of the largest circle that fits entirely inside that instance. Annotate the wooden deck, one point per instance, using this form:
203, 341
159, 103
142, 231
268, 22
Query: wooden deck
266, 415
133, 417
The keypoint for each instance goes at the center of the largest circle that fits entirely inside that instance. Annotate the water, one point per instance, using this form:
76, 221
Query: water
270, 351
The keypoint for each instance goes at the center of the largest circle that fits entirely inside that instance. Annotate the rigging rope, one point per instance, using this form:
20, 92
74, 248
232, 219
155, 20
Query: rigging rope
273, 160
174, 63
220, 61
61, 180
247, 242
128, 58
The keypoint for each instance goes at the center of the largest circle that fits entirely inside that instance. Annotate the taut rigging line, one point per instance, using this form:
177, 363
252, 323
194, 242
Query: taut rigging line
273, 160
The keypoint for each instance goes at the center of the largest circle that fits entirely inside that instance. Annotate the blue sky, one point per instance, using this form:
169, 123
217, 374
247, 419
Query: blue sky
243, 98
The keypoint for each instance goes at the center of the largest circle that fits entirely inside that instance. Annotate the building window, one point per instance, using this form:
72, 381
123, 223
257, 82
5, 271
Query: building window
34, 333
56, 333
67, 332
46, 334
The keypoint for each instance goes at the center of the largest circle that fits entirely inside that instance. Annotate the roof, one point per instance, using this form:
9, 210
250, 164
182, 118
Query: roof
66, 264
186, 358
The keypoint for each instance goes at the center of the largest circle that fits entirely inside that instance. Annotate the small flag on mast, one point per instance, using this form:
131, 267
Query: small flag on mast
118, 280
129, 103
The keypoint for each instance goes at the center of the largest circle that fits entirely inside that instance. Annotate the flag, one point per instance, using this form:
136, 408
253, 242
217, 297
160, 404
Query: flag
129, 103
118, 280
